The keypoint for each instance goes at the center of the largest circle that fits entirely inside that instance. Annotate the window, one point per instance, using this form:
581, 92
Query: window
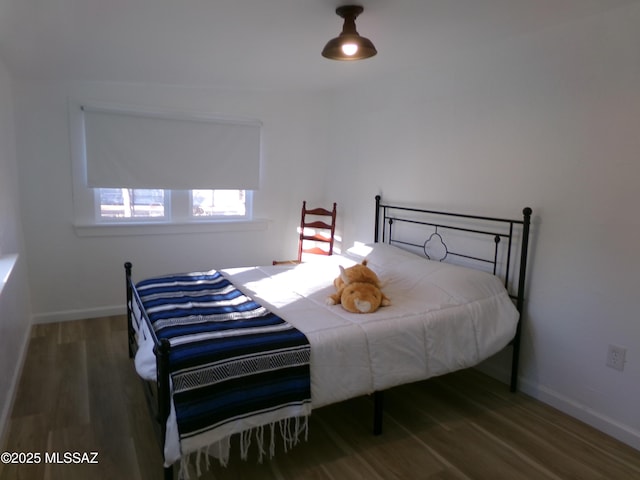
125, 203
135, 204
214, 203
144, 167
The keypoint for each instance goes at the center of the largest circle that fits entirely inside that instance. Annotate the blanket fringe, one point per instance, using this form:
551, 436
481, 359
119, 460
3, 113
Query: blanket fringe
292, 431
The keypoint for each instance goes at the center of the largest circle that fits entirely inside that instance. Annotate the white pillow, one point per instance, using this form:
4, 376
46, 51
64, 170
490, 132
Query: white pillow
403, 272
381, 255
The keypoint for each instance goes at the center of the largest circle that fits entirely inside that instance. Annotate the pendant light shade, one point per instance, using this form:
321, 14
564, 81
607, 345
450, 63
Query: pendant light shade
349, 45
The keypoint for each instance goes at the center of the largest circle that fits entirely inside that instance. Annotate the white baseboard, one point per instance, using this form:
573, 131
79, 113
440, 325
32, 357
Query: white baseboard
567, 405
13, 389
69, 315
575, 409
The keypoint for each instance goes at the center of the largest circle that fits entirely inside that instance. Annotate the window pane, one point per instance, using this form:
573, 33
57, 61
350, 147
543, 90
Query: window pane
124, 203
211, 203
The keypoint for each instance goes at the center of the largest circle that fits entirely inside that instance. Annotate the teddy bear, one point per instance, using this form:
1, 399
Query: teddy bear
358, 290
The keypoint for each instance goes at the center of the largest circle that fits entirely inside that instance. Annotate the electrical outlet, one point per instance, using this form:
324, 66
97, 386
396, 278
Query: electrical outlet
615, 357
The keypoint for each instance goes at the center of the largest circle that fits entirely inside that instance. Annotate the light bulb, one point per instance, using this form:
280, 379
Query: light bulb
349, 48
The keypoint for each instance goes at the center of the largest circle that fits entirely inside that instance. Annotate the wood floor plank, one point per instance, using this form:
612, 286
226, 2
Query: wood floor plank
70, 400
26, 436
36, 378
395, 454
573, 449
79, 393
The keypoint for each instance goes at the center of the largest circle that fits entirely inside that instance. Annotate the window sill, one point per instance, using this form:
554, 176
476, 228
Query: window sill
7, 262
125, 229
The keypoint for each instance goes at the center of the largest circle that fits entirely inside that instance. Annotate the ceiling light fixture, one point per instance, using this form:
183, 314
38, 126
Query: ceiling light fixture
349, 45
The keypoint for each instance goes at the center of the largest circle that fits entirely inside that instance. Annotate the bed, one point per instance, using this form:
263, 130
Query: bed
456, 283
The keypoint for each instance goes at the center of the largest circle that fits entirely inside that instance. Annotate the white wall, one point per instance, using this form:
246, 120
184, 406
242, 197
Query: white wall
76, 277
548, 121
15, 318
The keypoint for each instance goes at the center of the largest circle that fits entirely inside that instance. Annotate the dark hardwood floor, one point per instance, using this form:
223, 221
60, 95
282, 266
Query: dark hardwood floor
79, 393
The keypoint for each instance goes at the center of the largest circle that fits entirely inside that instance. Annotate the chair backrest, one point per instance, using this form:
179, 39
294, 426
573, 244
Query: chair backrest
317, 226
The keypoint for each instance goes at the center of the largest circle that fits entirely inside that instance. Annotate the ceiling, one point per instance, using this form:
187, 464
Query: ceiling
263, 44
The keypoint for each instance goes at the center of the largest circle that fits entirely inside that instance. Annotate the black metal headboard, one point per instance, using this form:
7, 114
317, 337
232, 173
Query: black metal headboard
499, 245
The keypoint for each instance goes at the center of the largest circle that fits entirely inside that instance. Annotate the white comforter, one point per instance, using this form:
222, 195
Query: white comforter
442, 318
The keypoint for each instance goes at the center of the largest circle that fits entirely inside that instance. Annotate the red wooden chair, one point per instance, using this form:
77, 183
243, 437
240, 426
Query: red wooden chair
317, 232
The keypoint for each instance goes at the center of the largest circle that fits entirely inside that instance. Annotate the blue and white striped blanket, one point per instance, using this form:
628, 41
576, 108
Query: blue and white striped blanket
235, 366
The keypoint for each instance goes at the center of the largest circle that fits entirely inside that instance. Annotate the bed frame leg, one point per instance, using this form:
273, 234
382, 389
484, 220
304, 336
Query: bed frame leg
130, 331
168, 473
378, 407
515, 360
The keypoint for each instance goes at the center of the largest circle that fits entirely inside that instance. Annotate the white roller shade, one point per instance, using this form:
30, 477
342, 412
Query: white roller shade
141, 150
